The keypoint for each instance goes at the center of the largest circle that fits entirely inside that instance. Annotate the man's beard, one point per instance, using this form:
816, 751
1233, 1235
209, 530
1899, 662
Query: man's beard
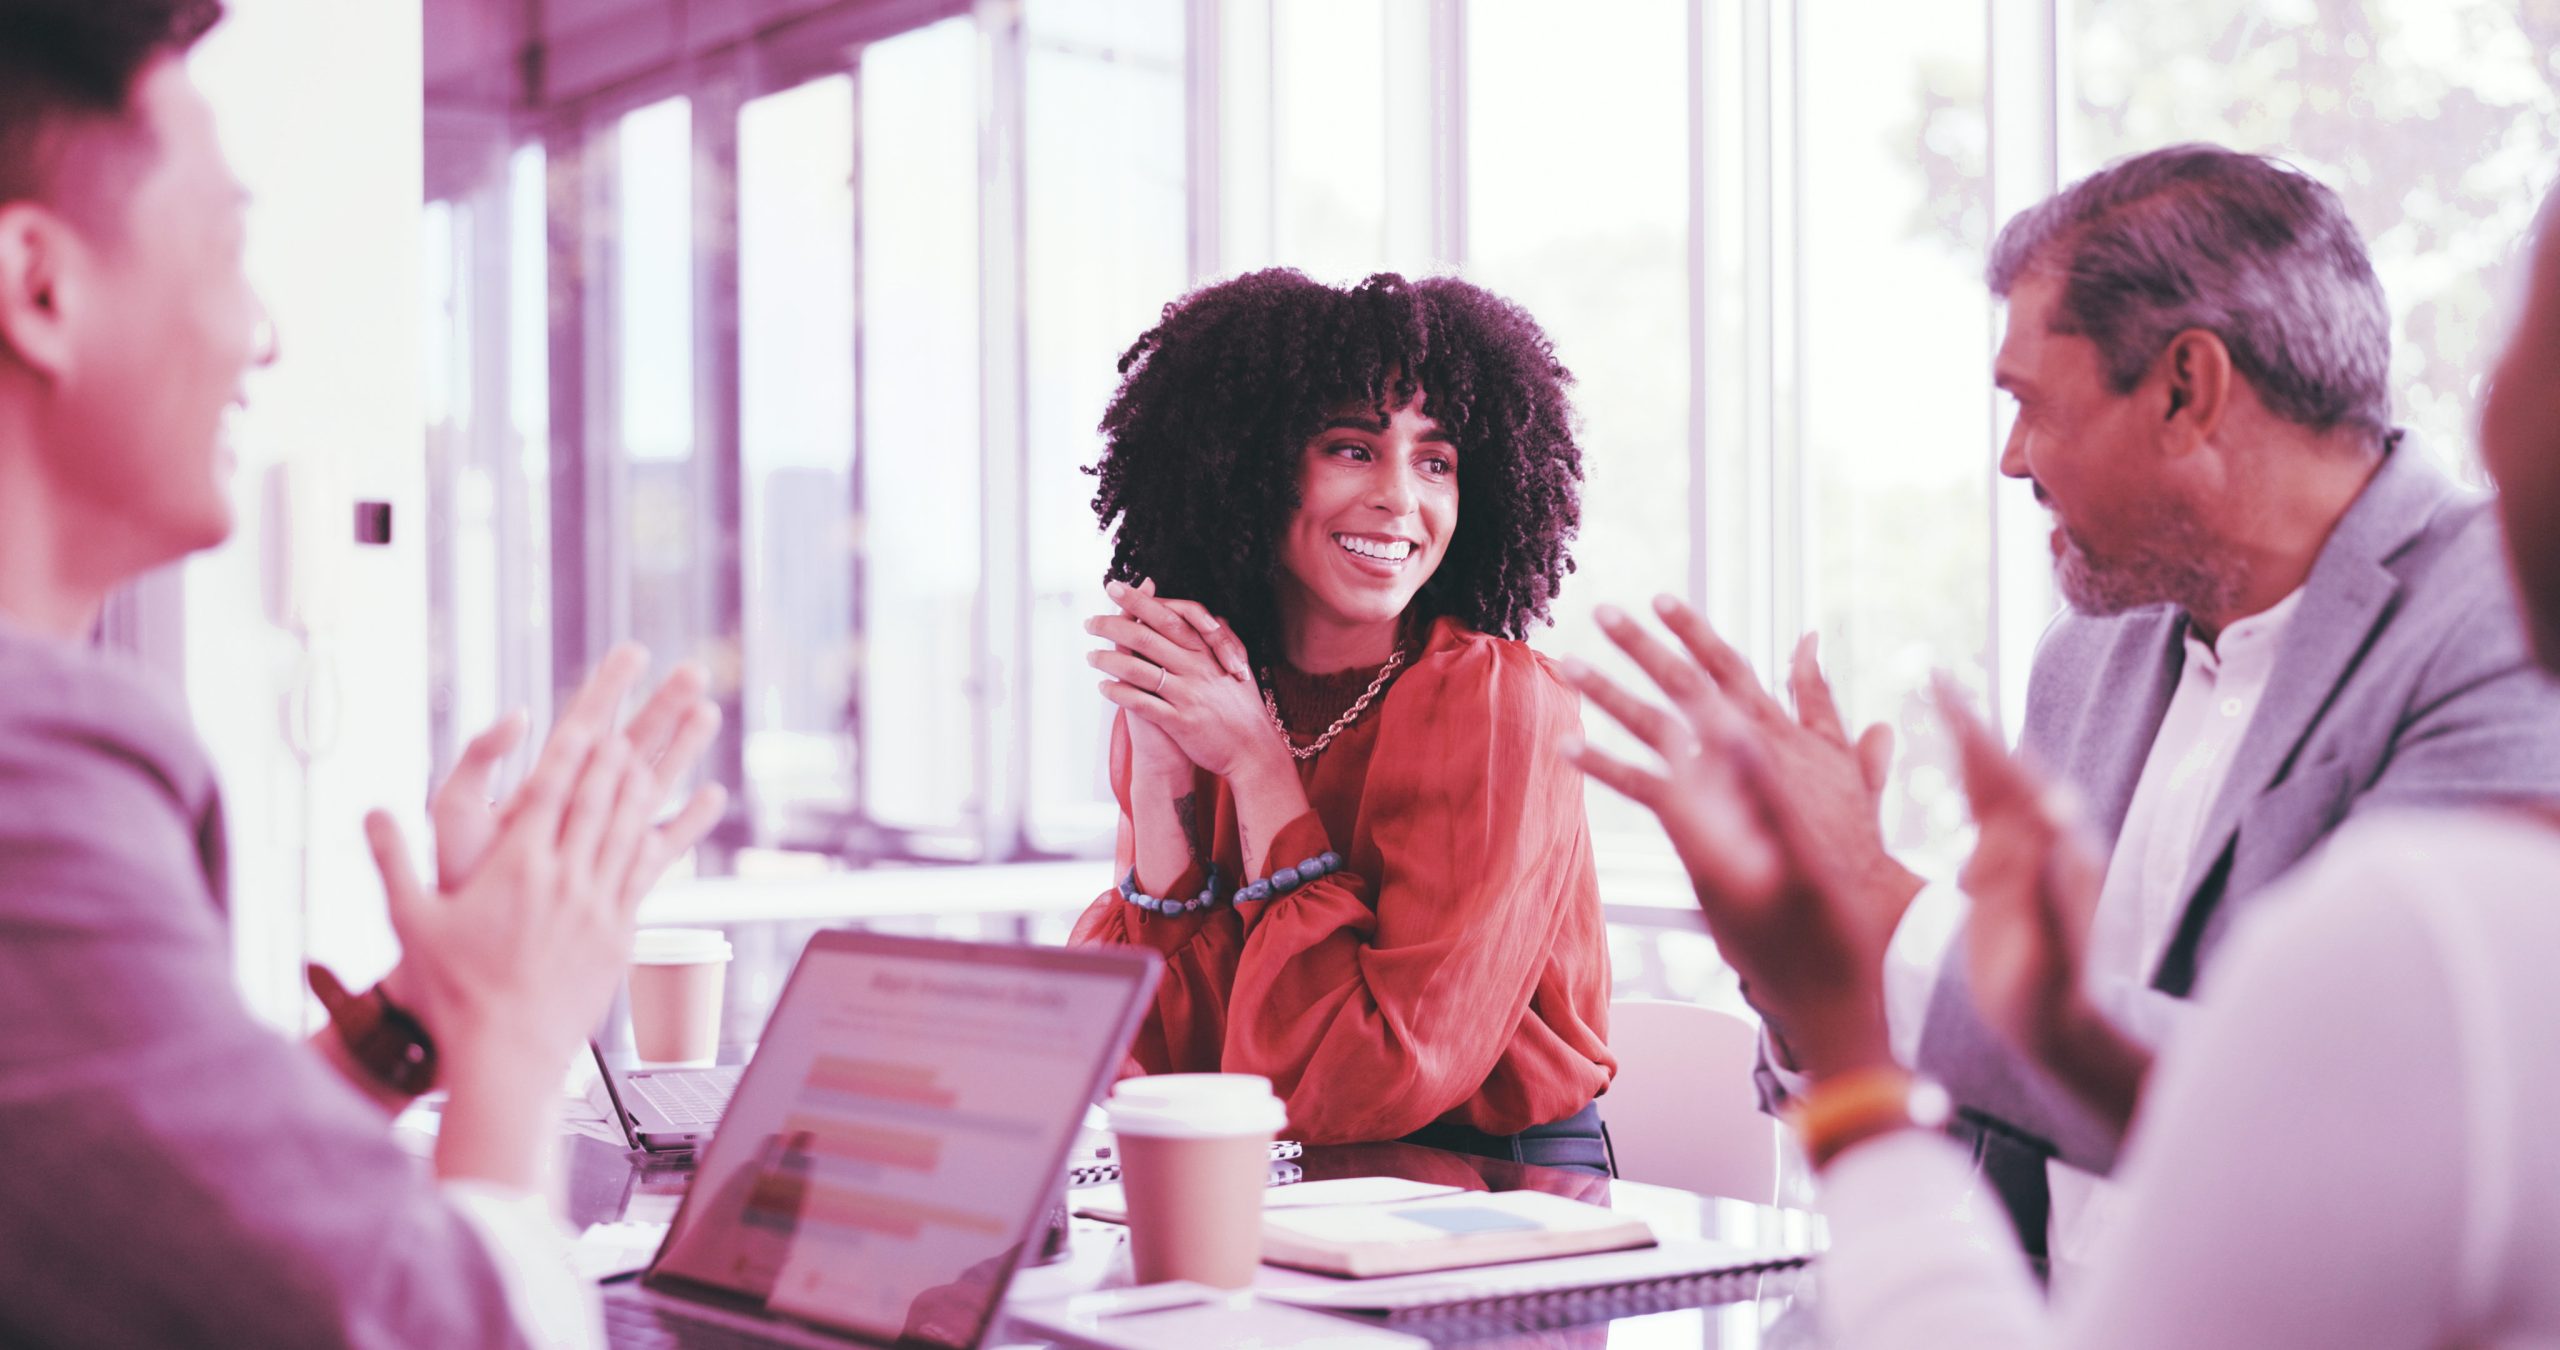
2174, 563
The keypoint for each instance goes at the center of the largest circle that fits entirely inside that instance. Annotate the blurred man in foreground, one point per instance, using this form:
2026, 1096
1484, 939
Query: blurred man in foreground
178, 1174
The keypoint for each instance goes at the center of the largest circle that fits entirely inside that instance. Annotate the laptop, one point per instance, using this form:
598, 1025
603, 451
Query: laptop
893, 1149
665, 1110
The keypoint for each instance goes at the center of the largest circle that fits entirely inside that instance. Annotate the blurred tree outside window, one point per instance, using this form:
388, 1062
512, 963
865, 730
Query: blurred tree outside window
2438, 122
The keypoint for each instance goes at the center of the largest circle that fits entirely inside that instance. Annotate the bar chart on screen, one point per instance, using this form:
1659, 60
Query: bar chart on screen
921, 1135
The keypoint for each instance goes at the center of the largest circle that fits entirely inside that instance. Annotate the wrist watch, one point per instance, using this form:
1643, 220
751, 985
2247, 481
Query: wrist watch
380, 1035
1853, 1107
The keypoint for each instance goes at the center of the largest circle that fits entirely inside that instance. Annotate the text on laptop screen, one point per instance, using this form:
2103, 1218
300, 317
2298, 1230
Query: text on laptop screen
897, 1136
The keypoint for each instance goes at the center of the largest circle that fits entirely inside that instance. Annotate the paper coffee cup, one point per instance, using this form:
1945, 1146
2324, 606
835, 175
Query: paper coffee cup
1195, 1158
676, 980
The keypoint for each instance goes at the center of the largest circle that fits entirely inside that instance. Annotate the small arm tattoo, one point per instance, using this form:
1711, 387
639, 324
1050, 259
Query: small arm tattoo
1186, 812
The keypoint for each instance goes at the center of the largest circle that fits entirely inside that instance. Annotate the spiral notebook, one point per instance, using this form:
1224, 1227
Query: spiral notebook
1508, 1320
1678, 1271
1094, 1168
1109, 1203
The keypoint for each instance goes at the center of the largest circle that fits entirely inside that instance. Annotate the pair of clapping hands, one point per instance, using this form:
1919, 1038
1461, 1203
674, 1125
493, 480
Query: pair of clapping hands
520, 943
1775, 816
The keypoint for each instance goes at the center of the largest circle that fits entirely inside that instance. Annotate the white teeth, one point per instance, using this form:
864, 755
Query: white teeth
1371, 548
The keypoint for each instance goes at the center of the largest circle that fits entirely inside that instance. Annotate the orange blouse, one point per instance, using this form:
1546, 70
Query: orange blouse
1456, 969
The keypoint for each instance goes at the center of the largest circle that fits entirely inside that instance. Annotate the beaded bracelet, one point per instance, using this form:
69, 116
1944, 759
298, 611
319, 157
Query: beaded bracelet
1288, 879
1208, 896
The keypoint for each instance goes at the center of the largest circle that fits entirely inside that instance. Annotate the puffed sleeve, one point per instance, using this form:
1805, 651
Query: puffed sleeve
1380, 997
1181, 1033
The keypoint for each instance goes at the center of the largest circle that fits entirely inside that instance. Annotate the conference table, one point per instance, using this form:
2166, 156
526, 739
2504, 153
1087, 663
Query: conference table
1772, 1310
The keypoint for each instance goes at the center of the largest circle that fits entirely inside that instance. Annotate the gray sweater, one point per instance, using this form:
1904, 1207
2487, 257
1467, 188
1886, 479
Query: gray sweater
176, 1172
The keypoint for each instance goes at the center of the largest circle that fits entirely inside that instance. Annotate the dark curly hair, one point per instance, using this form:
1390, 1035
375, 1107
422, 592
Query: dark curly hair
1202, 443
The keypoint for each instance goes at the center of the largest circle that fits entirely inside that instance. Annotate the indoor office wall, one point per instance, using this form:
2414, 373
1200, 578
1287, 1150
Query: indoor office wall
828, 302
305, 654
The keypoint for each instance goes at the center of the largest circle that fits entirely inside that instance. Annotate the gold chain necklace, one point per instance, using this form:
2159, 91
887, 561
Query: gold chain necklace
1395, 661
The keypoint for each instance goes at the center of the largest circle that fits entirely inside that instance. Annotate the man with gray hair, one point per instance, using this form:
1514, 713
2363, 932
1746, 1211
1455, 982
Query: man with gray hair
2279, 615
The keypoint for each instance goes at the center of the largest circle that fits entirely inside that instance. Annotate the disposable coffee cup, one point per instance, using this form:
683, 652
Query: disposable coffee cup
1195, 1158
676, 980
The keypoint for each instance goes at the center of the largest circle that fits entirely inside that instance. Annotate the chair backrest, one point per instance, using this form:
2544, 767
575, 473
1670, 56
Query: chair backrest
1682, 1111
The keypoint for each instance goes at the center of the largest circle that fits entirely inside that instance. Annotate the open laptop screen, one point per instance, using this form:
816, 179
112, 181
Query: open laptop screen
901, 1129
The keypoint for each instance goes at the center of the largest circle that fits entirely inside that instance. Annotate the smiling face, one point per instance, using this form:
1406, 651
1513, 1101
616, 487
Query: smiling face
158, 329
2122, 538
1377, 504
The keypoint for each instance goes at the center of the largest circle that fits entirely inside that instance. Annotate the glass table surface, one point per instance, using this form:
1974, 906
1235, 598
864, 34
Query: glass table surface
1770, 1310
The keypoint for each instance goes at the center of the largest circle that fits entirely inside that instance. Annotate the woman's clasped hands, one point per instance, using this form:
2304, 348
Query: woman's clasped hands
1186, 683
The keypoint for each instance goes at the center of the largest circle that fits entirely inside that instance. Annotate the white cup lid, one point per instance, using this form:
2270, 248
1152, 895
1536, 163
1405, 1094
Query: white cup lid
1196, 1106
679, 947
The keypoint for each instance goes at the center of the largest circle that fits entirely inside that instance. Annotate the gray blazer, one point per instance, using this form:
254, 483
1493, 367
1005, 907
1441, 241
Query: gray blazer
176, 1172
2403, 679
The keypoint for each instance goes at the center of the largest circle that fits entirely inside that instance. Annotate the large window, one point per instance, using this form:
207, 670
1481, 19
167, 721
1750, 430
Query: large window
1755, 232
920, 700
1105, 187
1612, 287
487, 402
1324, 111
1891, 356
796, 417
662, 596
1745, 228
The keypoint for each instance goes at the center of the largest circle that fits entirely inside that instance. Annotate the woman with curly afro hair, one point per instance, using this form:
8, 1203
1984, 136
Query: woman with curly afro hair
1344, 820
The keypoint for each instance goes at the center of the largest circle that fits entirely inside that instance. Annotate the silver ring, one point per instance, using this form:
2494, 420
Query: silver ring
1161, 673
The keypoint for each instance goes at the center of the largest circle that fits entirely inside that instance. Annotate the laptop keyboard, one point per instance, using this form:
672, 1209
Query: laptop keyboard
636, 1325
690, 1097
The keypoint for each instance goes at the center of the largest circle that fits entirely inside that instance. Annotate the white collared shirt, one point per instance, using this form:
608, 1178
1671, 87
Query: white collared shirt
2220, 688
2218, 696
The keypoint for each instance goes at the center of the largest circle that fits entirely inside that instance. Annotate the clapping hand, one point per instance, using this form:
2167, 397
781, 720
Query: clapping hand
529, 923
1833, 784
1767, 867
675, 726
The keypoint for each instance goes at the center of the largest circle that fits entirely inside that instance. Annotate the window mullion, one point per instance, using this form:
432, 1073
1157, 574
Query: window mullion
1001, 669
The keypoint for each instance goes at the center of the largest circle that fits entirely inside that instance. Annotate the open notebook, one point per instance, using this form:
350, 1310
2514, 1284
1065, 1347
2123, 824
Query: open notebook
1676, 1272
1443, 1232
1409, 1244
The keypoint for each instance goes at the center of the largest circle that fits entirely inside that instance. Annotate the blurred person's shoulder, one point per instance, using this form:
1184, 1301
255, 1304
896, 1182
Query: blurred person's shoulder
67, 710
2476, 880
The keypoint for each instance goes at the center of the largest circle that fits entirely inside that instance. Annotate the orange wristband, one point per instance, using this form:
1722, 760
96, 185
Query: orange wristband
1860, 1105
